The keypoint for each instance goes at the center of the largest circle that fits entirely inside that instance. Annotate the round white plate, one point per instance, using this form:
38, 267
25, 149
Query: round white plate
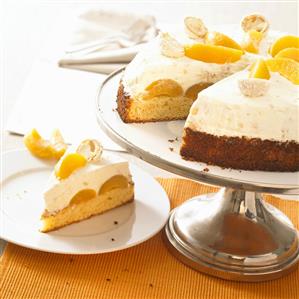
159, 143
22, 183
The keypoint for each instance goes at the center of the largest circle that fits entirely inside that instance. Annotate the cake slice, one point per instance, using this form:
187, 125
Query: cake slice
84, 184
163, 80
248, 121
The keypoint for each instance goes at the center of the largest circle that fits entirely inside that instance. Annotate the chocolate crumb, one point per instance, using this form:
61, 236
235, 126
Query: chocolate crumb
108, 279
114, 110
206, 169
115, 222
171, 140
151, 285
171, 149
112, 239
176, 139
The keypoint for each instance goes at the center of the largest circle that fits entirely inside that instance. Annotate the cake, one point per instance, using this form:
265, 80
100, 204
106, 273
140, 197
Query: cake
85, 183
163, 80
248, 120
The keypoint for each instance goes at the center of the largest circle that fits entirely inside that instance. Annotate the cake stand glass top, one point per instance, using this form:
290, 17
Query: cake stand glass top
232, 234
159, 144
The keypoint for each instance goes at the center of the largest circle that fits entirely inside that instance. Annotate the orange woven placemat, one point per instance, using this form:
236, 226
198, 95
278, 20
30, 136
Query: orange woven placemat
144, 271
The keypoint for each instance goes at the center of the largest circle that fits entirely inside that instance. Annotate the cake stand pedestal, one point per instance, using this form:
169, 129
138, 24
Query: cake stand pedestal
232, 234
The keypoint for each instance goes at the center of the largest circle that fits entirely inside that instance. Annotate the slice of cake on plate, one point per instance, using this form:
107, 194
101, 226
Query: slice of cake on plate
85, 183
249, 120
163, 80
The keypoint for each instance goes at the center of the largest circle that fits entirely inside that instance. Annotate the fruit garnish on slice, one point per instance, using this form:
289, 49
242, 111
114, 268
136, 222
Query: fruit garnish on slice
83, 196
167, 87
220, 39
291, 53
45, 149
212, 54
193, 90
255, 22
252, 40
68, 164
286, 67
195, 28
259, 70
117, 181
287, 41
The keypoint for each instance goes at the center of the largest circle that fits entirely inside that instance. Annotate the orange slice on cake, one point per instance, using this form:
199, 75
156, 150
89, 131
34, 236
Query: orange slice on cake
212, 54
68, 164
288, 68
259, 70
252, 41
287, 41
220, 39
291, 53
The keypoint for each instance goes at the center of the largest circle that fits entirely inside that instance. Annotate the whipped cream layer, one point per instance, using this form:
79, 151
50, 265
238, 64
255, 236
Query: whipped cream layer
150, 65
59, 193
222, 110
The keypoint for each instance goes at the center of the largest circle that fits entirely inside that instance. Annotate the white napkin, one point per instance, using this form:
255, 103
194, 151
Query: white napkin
93, 27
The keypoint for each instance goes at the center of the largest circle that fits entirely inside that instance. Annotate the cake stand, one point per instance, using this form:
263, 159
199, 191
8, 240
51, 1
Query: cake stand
233, 234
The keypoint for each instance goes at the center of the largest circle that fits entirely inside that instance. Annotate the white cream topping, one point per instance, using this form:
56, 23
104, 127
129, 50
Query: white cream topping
59, 193
150, 65
222, 110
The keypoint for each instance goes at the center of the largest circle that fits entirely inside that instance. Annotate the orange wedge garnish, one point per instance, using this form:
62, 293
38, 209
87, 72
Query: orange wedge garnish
212, 54
287, 41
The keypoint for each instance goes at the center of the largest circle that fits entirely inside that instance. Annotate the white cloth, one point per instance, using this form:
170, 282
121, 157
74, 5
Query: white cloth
93, 26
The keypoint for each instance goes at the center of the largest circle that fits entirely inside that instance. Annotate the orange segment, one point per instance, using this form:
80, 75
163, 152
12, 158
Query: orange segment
45, 149
287, 41
291, 53
167, 87
259, 70
117, 181
83, 196
68, 164
212, 54
286, 67
252, 41
37, 145
220, 39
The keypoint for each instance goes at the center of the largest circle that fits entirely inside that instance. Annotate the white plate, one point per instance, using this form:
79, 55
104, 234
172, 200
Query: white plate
159, 143
22, 182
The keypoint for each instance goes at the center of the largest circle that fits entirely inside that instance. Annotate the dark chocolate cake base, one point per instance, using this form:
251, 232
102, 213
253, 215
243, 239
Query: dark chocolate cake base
240, 153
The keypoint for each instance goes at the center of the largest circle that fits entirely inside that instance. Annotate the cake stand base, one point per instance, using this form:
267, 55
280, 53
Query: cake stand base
233, 234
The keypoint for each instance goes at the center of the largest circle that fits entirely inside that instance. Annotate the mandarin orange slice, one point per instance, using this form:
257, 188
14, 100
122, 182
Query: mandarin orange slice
193, 90
167, 87
37, 145
287, 41
288, 68
259, 70
68, 164
212, 54
117, 181
291, 53
220, 39
83, 196
45, 149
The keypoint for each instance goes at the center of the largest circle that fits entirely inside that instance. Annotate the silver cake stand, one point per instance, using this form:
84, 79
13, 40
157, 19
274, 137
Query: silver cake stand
232, 234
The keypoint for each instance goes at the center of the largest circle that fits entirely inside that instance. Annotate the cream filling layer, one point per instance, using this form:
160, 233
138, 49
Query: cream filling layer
150, 65
59, 193
222, 110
